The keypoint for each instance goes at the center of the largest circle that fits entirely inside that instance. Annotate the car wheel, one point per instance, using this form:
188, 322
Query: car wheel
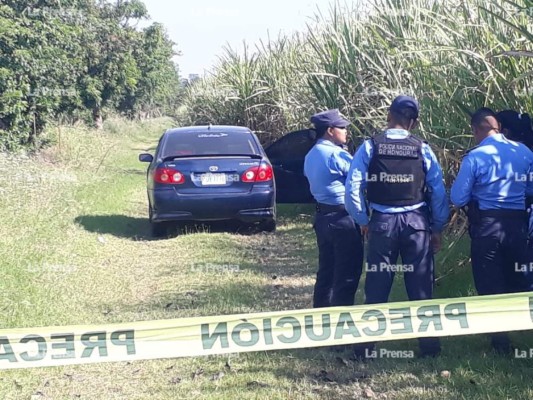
157, 229
268, 226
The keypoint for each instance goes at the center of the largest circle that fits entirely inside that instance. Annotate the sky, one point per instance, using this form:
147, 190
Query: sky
201, 28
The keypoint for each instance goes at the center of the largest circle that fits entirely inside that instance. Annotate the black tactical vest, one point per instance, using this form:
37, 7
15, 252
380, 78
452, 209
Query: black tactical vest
396, 174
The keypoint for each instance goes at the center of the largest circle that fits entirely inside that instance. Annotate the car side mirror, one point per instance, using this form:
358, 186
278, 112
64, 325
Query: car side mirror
145, 157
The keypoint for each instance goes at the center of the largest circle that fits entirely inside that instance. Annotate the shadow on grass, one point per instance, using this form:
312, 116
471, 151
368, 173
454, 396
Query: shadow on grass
135, 228
230, 226
139, 228
117, 225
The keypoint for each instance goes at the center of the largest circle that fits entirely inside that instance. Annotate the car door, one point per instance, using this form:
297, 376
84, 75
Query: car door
287, 156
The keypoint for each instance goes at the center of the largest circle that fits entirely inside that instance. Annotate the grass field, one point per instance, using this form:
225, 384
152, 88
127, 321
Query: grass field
75, 249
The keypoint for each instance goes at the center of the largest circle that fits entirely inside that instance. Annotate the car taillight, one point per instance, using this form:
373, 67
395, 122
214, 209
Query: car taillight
169, 175
262, 173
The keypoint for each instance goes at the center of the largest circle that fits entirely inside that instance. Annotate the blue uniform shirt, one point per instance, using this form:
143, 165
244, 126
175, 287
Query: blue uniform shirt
357, 181
326, 166
497, 174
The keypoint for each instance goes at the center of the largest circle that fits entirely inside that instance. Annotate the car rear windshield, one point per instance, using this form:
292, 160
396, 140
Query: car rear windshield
209, 143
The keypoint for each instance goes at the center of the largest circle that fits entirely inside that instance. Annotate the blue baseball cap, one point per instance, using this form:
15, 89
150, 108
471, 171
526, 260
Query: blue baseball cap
330, 118
402, 102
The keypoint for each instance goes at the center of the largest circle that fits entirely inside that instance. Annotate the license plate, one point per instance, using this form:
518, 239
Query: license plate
213, 179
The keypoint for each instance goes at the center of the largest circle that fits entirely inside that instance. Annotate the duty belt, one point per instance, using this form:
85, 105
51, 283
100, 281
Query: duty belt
328, 208
423, 209
503, 213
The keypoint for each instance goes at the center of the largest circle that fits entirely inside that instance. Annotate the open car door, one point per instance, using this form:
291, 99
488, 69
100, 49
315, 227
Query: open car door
287, 156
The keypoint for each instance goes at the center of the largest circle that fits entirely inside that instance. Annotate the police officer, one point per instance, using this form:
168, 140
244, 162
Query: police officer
404, 186
340, 247
494, 180
517, 127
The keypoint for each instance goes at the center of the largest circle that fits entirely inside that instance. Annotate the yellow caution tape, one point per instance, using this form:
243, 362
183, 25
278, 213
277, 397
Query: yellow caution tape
201, 336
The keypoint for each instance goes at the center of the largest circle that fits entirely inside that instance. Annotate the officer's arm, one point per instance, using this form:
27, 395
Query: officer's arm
461, 192
439, 205
341, 163
306, 163
356, 184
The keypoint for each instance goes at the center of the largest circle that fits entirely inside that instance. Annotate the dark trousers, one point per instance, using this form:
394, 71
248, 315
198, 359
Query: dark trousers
498, 249
408, 235
529, 265
340, 259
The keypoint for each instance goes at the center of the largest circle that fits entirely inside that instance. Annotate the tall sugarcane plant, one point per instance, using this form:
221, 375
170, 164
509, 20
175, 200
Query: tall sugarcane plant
453, 55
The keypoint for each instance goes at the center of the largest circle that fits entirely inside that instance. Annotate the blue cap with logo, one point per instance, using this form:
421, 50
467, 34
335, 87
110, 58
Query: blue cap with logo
402, 102
330, 118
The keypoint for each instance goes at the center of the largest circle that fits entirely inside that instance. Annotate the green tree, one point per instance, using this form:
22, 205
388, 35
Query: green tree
158, 84
79, 58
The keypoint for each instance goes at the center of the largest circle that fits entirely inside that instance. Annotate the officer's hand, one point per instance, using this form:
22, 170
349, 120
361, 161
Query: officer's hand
436, 242
364, 231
